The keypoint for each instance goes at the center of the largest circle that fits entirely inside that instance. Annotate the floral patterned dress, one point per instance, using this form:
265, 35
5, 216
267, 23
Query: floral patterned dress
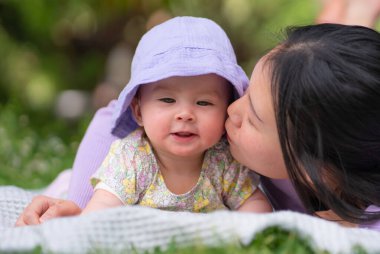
131, 172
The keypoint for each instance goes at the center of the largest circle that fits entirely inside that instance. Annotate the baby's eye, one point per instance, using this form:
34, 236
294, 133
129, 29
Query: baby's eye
167, 100
204, 103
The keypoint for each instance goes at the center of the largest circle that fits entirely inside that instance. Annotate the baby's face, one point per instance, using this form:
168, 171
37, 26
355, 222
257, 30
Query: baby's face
183, 116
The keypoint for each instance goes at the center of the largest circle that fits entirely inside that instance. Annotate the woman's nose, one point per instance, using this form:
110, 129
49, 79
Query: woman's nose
234, 113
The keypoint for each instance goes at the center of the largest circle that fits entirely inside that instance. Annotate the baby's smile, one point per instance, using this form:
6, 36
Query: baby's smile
184, 134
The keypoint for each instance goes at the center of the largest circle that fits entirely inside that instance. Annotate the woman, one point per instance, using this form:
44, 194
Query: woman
312, 114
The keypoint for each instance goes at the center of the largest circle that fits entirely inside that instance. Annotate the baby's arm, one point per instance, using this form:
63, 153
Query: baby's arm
102, 199
241, 190
257, 203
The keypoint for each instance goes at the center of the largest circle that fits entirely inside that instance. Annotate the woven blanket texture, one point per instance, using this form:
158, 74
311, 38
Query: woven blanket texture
141, 229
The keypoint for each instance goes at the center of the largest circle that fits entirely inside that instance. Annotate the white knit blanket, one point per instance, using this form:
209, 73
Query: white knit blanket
141, 229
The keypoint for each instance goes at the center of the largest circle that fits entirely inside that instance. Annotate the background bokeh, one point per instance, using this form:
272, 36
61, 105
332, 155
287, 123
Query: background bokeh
48, 47
63, 59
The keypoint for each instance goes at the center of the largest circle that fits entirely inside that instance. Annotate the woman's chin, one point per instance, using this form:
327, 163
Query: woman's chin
235, 153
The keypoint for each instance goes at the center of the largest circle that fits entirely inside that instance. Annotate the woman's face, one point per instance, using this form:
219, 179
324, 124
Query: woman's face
251, 127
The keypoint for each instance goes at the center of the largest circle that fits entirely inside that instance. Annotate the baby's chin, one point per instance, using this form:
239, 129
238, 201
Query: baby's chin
194, 154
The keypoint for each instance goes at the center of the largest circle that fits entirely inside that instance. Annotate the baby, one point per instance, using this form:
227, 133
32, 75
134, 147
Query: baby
174, 155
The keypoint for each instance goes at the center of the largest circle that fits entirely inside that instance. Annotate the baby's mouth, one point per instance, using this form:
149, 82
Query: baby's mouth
183, 134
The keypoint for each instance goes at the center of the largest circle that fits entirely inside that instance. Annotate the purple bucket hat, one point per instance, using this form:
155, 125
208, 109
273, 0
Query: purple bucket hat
181, 46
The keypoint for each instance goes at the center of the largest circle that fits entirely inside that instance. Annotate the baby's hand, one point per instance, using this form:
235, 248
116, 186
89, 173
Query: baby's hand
43, 208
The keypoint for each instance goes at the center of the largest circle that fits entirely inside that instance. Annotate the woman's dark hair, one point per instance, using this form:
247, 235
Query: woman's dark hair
326, 90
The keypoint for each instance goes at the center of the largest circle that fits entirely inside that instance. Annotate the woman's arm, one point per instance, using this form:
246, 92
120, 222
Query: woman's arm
331, 216
43, 208
91, 153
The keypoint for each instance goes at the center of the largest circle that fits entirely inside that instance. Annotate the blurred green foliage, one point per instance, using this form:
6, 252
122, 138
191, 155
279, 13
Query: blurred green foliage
48, 46
32, 154
273, 239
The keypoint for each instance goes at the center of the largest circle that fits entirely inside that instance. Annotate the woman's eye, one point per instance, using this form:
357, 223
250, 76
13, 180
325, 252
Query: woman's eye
204, 103
167, 100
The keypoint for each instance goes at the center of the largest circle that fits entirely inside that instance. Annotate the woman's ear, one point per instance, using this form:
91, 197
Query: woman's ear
136, 111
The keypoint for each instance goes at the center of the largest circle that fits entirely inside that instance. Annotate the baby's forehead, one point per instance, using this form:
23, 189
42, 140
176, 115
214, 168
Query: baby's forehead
213, 85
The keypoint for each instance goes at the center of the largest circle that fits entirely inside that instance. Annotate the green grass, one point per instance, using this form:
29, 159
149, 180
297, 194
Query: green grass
34, 148
273, 240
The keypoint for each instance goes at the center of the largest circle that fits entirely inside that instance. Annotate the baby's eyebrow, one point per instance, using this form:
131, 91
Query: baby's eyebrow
252, 108
161, 88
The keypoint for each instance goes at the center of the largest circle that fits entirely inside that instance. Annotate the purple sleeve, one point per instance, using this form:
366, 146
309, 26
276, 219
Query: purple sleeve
91, 153
282, 194
374, 225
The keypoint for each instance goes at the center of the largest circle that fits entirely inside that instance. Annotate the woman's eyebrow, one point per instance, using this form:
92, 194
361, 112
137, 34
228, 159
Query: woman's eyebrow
252, 108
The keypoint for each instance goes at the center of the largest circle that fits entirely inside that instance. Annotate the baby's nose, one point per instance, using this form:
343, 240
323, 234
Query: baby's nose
185, 115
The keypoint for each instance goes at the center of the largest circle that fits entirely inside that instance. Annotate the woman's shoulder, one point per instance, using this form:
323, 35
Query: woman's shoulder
375, 225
